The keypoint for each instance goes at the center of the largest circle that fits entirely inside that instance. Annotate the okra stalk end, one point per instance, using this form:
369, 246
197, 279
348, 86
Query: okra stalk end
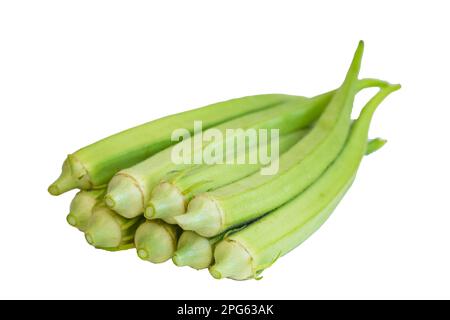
204, 216
73, 175
125, 197
155, 241
231, 261
194, 251
166, 201
65, 181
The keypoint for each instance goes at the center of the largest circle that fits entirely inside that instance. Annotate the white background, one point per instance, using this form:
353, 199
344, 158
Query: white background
72, 72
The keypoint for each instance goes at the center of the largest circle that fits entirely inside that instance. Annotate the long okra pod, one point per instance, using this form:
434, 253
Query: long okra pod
94, 165
211, 213
245, 254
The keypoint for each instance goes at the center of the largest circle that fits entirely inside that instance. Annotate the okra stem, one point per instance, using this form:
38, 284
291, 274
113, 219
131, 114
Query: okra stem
65, 182
374, 145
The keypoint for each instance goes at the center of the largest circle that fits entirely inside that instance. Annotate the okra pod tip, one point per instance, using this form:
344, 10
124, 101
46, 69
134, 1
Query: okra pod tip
374, 145
65, 181
73, 175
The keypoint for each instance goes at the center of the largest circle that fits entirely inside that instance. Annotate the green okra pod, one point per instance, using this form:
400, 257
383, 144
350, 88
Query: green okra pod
245, 254
93, 166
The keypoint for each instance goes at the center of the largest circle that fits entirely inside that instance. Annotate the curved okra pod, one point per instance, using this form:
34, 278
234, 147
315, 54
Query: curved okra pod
374, 145
245, 254
196, 251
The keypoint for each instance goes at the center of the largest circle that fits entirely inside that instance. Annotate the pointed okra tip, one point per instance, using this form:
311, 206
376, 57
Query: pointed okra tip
374, 145
359, 49
357, 57
62, 185
361, 44
65, 181
396, 86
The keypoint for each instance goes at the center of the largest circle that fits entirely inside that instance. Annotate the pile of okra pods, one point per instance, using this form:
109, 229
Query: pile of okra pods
263, 174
